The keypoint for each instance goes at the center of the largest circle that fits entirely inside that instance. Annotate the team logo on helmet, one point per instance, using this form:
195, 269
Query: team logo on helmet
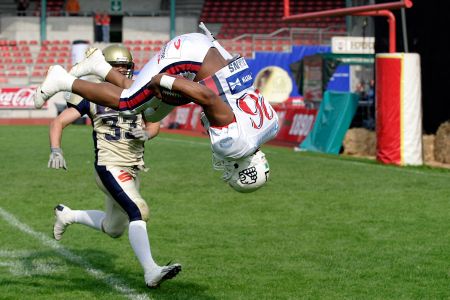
248, 176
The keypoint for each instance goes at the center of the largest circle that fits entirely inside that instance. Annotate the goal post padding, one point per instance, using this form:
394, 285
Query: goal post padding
398, 109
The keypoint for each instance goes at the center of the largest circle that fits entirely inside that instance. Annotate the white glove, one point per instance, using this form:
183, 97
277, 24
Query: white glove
57, 160
140, 134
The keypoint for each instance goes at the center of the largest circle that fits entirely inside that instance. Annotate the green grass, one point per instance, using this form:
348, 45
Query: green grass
324, 227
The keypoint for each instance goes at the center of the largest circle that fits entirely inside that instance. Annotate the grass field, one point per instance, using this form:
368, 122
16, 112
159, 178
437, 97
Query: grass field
325, 227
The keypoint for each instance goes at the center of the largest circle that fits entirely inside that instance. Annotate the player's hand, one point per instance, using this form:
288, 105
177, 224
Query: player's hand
140, 134
57, 160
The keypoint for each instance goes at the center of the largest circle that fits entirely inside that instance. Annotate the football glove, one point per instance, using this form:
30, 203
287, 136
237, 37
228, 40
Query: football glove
140, 134
57, 160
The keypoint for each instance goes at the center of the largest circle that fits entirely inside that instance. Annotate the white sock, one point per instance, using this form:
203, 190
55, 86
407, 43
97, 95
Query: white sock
91, 218
137, 233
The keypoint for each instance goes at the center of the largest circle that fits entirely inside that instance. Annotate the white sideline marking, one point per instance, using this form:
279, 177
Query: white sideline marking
95, 273
27, 263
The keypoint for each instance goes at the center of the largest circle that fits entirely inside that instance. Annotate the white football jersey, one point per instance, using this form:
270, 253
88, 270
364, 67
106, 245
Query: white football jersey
114, 144
256, 121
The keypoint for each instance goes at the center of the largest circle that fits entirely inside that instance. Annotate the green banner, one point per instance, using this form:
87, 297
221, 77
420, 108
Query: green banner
332, 122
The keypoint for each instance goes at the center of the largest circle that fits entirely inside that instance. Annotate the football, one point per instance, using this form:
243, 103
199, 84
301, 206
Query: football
173, 98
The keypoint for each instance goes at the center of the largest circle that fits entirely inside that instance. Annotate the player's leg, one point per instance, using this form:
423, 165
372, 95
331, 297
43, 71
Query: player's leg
116, 219
64, 216
122, 184
103, 93
58, 80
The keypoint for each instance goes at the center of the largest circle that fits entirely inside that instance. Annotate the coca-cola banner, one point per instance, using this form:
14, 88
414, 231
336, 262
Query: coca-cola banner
17, 98
296, 121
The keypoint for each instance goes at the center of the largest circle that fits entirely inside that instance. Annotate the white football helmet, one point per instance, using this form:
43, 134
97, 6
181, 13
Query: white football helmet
246, 174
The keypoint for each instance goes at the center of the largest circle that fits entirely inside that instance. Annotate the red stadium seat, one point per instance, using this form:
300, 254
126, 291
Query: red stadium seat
38, 74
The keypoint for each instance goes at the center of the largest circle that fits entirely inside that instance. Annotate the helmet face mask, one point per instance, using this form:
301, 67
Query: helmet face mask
248, 174
118, 56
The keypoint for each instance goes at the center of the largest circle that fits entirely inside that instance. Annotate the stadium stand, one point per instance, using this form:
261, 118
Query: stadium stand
233, 14
27, 58
8, 7
54, 7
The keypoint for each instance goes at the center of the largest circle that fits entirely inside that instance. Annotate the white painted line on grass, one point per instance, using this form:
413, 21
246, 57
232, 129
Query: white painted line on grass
95, 273
28, 263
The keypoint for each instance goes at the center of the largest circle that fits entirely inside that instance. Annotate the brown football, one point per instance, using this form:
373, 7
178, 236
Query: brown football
173, 98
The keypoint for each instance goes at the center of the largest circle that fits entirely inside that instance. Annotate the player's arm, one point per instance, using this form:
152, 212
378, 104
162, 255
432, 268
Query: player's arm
69, 115
152, 129
216, 110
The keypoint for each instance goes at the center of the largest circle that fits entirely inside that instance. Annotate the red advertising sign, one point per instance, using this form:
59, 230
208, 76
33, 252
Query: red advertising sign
17, 98
295, 121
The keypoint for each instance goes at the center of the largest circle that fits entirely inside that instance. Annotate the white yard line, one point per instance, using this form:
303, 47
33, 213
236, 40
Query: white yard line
97, 274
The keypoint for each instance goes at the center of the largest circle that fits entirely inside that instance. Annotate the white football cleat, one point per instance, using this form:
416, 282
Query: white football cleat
57, 80
64, 218
154, 279
94, 63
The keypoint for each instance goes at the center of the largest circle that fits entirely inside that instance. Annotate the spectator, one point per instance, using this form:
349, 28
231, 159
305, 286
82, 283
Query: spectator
98, 26
22, 6
371, 92
72, 7
106, 21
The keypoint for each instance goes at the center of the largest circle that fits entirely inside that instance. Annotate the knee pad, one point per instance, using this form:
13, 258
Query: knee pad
143, 208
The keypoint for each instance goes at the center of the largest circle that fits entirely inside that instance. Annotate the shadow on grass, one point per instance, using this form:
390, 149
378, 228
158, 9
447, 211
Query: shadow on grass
48, 275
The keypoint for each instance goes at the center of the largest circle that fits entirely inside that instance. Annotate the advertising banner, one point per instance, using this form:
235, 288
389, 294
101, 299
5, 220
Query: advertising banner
17, 98
296, 121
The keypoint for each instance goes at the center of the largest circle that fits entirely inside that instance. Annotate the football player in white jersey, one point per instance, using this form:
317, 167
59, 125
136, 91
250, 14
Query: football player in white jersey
237, 117
119, 152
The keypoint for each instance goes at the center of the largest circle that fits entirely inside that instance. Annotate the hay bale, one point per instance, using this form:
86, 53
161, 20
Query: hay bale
428, 147
442, 143
360, 141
